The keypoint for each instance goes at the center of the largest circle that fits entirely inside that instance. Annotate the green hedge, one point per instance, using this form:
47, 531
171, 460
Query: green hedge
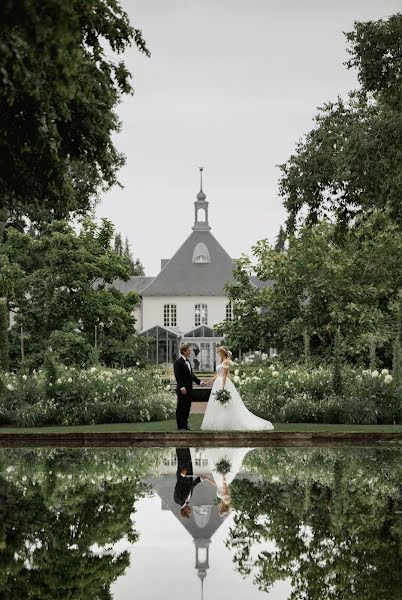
298, 395
59, 395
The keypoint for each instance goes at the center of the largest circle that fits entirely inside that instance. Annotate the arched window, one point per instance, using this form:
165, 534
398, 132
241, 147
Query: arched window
201, 215
201, 254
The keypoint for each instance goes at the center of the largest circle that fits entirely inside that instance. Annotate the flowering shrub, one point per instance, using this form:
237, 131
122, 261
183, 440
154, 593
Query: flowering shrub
69, 396
300, 395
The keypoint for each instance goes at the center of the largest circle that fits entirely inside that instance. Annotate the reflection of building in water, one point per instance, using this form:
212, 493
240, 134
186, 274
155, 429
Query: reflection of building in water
205, 519
199, 458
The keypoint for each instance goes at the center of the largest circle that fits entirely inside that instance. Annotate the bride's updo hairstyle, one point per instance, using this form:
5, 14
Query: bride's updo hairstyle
225, 351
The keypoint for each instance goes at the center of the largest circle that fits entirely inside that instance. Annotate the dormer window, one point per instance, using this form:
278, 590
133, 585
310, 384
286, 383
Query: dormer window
201, 254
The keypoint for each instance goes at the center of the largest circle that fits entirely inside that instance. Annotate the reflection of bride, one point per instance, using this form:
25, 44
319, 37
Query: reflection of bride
225, 463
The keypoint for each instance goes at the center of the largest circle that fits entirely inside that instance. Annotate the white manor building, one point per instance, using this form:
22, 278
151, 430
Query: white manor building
186, 300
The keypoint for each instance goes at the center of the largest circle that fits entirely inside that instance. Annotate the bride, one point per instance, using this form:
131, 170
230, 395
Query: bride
233, 416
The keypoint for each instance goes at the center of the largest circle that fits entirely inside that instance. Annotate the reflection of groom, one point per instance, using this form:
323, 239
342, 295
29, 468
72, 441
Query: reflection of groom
185, 481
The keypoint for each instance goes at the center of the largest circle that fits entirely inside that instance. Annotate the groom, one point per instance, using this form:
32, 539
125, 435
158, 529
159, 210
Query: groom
184, 386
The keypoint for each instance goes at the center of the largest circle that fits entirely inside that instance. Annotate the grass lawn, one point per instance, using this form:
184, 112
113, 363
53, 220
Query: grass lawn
195, 423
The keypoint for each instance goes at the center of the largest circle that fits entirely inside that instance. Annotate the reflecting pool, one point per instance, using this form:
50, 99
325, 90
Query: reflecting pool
278, 523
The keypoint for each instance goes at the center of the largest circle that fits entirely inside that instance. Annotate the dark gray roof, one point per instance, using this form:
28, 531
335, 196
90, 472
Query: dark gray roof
134, 284
181, 277
261, 284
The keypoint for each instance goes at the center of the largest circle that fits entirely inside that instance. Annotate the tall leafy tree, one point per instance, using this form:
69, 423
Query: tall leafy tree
136, 267
280, 240
318, 286
64, 296
59, 89
349, 163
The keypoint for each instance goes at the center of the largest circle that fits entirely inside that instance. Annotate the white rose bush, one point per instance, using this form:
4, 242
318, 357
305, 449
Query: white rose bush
301, 395
71, 396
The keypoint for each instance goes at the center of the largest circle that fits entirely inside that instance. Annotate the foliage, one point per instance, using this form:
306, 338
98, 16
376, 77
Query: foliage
318, 285
59, 395
136, 267
301, 395
62, 513
63, 294
4, 344
349, 163
337, 382
61, 79
327, 519
280, 240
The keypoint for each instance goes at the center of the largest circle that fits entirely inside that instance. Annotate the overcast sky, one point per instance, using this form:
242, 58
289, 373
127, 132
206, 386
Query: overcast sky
231, 85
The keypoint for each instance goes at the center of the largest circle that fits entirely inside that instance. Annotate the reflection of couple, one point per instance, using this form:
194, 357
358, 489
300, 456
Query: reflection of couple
234, 416
224, 463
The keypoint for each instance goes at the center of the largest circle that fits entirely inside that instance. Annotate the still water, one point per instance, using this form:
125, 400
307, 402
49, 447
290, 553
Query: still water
277, 523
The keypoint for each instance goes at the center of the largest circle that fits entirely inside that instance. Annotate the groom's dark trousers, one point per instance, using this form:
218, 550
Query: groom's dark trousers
184, 379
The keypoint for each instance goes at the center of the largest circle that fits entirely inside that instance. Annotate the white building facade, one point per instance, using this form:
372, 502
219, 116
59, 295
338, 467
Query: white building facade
187, 299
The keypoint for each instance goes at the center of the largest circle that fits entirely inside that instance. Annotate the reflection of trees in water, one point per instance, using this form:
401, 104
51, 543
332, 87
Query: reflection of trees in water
334, 520
54, 505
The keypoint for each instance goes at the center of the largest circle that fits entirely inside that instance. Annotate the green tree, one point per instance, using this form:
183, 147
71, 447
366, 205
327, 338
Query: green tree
66, 291
58, 94
349, 164
136, 268
354, 285
280, 240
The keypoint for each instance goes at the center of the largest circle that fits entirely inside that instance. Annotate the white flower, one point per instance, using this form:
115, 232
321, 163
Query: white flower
130, 379
374, 373
92, 369
236, 379
10, 387
384, 372
59, 380
167, 387
24, 377
70, 380
236, 372
388, 378
275, 373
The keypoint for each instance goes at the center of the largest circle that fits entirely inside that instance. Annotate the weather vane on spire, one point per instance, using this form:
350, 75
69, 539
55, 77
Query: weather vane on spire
201, 170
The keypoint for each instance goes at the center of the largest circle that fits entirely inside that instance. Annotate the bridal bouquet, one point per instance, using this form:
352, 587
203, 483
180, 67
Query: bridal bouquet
223, 466
222, 396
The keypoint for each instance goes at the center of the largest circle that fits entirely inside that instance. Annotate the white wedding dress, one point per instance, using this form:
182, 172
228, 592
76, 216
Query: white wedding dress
233, 416
234, 456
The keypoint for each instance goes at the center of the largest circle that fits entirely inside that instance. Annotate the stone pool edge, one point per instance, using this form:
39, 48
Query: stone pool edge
198, 439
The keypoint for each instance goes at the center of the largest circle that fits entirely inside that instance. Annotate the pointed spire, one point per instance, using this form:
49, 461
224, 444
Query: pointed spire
201, 196
201, 209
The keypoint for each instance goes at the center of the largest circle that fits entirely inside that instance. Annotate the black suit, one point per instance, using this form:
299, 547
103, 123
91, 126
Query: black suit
184, 485
184, 378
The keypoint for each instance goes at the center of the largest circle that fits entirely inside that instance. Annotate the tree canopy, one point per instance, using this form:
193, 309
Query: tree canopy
61, 80
349, 163
63, 289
